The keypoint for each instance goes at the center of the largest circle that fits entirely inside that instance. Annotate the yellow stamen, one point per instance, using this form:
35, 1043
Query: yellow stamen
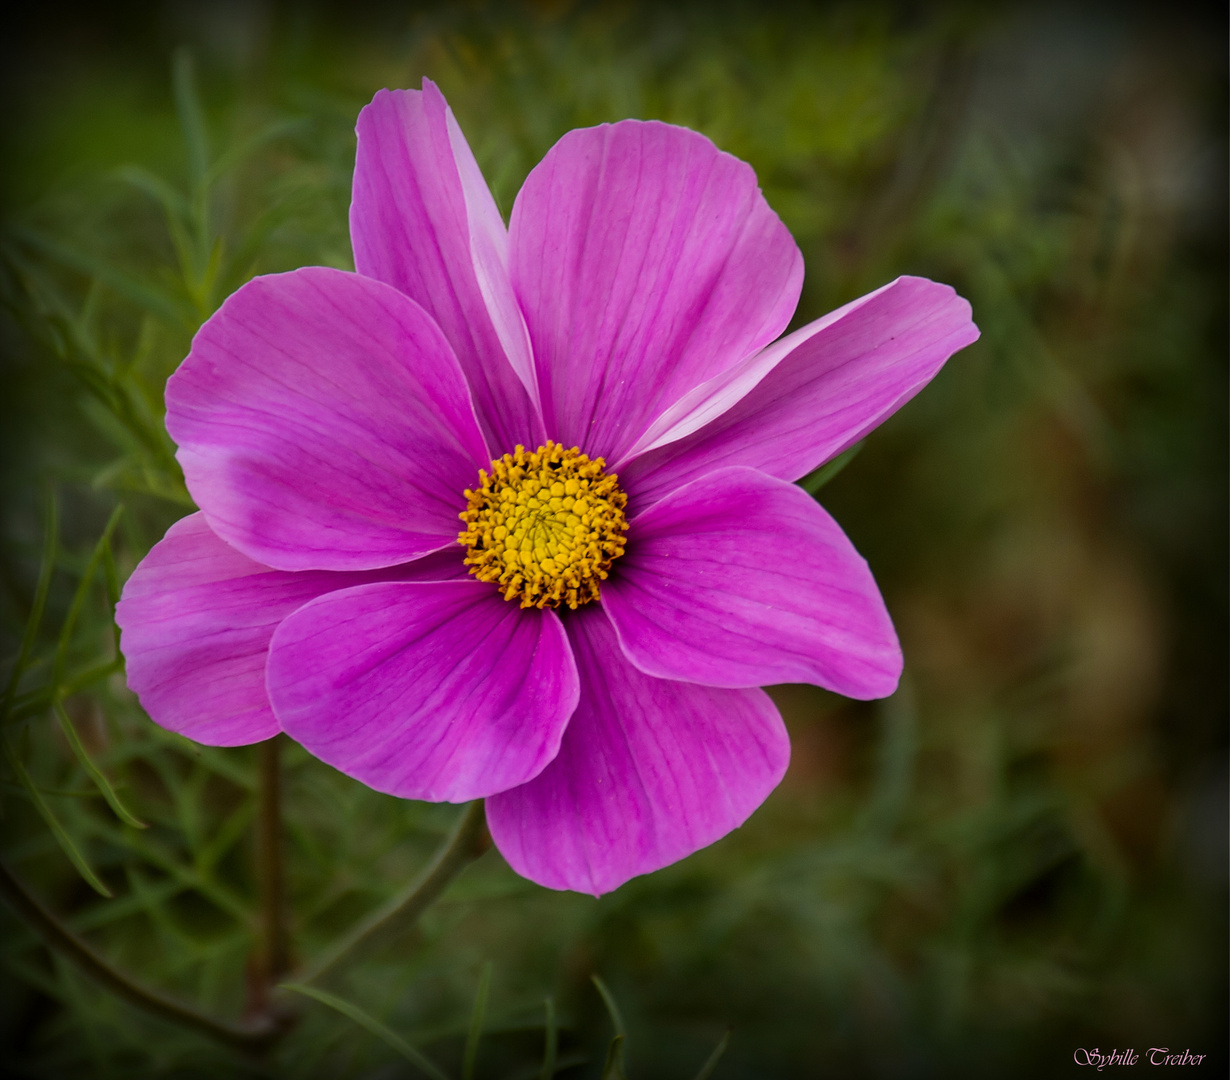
545, 526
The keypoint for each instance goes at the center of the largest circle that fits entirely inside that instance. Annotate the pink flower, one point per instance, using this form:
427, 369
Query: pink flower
336, 428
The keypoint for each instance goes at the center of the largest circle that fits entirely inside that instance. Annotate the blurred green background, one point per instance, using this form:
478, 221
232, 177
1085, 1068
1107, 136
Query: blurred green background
1020, 854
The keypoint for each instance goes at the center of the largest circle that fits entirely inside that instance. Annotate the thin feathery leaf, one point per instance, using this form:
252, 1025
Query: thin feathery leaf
364, 1020
711, 1063
149, 183
234, 156
46, 568
816, 479
476, 1023
128, 287
608, 1000
57, 830
113, 592
552, 1041
191, 115
613, 1067
83, 588
93, 771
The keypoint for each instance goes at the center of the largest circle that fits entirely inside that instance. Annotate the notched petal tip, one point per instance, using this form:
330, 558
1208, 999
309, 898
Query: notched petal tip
423, 220
649, 772
646, 261
813, 394
740, 579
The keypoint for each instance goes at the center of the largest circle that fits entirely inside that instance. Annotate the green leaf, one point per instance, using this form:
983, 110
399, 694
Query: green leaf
232, 157
83, 588
552, 1040
711, 1063
129, 288
45, 570
894, 766
613, 1067
94, 772
113, 592
609, 1001
57, 830
364, 1020
476, 1023
816, 479
174, 205
191, 116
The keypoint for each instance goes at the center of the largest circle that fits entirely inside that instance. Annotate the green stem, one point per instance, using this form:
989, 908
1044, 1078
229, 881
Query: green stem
57, 936
468, 840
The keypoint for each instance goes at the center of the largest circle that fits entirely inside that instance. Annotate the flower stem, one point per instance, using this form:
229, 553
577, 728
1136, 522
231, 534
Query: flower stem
249, 1036
468, 840
273, 877
272, 957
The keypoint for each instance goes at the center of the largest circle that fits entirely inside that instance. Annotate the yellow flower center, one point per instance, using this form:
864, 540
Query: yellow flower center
545, 526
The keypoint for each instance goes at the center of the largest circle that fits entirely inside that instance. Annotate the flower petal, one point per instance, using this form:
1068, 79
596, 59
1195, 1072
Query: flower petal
422, 219
323, 424
196, 617
646, 262
808, 397
740, 579
649, 771
441, 691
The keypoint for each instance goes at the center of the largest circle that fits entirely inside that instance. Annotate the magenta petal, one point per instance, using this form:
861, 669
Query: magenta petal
196, 617
740, 579
422, 219
441, 691
649, 771
646, 262
323, 424
811, 395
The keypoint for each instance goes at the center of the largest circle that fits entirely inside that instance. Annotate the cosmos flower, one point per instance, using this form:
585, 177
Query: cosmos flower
510, 513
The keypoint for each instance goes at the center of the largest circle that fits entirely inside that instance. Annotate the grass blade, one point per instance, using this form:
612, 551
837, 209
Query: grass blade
816, 479
58, 831
711, 1063
552, 1038
476, 1023
45, 570
95, 773
374, 1026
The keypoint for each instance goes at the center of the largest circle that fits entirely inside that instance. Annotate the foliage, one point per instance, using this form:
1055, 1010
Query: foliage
1001, 863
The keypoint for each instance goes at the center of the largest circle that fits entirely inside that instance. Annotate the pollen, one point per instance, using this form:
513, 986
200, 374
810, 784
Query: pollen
545, 526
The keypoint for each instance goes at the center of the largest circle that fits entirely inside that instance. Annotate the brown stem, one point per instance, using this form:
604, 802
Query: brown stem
468, 840
247, 1036
272, 956
269, 851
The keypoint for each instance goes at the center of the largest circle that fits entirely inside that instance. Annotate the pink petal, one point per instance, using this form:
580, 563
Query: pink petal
423, 220
808, 397
323, 424
649, 771
442, 691
646, 262
740, 579
197, 617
